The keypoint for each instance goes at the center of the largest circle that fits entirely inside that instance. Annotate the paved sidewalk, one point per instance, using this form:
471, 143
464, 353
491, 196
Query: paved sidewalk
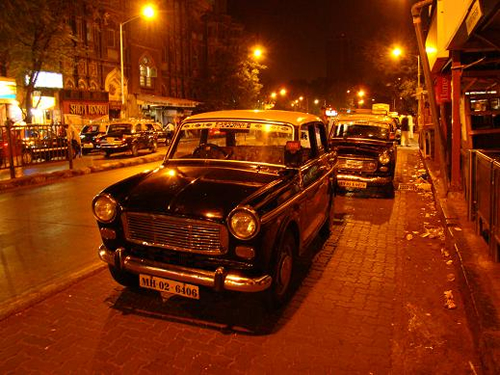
480, 276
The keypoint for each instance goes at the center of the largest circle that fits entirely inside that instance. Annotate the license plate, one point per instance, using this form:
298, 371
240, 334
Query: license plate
88, 145
169, 286
353, 184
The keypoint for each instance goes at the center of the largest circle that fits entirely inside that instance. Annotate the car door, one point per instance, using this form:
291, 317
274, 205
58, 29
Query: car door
315, 174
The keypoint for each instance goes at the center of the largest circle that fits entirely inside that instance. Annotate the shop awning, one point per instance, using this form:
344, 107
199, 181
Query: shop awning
165, 101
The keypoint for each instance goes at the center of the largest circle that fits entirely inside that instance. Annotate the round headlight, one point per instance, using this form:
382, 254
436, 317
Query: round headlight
105, 208
385, 158
243, 223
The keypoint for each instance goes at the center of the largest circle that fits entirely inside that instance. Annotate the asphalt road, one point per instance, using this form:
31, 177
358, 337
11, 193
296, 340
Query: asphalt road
371, 298
48, 232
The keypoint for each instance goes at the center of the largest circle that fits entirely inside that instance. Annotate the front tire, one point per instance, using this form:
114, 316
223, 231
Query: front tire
124, 278
154, 147
134, 150
283, 272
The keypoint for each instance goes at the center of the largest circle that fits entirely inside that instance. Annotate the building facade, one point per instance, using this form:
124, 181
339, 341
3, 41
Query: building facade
164, 60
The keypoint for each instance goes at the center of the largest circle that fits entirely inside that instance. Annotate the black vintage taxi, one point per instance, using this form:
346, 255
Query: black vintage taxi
237, 200
366, 149
128, 136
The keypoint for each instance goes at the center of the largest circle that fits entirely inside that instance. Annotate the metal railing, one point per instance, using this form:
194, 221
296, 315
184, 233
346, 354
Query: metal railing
483, 196
24, 145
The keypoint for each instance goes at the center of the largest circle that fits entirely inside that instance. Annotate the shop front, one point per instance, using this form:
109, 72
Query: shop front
82, 107
164, 109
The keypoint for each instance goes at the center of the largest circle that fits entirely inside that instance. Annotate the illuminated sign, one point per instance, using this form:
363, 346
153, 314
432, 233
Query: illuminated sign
7, 90
86, 109
48, 80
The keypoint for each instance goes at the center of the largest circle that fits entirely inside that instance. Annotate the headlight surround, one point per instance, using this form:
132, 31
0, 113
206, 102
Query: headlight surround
243, 223
385, 158
105, 208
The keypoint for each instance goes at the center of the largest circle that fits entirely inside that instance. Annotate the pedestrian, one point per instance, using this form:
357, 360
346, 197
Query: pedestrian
73, 136
411, 125
405, 130
169, 129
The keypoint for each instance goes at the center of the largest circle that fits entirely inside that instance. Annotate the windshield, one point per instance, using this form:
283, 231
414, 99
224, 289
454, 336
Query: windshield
120, 128
353, 130
233, 140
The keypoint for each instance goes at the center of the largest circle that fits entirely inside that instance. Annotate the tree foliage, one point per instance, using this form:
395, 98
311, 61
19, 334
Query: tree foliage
37, 36
233, 81
393, 79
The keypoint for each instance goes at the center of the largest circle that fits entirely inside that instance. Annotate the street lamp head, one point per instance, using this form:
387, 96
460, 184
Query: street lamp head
396, 52
258, 53
148, 11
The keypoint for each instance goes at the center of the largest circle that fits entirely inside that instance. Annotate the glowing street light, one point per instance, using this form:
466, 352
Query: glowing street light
361, 93
147, 12
273, 95
316, 101
396, 52
283, 92
258, 53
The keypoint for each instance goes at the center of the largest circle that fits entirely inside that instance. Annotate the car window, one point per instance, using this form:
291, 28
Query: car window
234, 140
120, 128
355, 130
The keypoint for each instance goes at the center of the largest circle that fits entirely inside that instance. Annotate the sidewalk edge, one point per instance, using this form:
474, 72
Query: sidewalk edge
22, 302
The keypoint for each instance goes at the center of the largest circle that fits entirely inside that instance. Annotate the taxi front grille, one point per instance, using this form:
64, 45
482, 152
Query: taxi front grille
359, 166
194, 236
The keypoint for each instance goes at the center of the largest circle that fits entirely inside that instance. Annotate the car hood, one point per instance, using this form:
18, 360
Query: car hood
195, 191
361, 147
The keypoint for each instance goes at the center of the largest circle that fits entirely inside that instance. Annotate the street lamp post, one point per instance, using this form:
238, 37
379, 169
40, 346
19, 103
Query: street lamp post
147, 12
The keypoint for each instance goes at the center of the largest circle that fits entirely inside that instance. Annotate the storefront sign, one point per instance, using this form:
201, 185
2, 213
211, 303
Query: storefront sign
7, 90
443, 89
473, 17
86, 109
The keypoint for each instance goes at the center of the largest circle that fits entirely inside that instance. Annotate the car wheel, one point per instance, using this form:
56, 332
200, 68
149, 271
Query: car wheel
134, 150
107, 154
154, 146
124, 278
85, 152
282, 272
27, 157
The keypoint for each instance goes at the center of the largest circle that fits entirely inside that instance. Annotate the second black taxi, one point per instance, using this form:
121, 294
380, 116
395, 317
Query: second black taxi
239, 197
367, 151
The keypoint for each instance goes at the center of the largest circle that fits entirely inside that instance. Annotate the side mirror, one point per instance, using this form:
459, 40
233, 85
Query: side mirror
293, 153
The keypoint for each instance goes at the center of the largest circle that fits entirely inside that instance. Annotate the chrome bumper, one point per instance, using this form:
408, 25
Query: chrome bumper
369, 180
220, 279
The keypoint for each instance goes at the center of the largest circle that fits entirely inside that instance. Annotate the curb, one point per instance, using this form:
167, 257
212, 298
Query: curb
481, 314
46, 178
22, 302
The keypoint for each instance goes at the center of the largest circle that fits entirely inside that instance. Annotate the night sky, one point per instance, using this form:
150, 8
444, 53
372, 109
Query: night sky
295, 32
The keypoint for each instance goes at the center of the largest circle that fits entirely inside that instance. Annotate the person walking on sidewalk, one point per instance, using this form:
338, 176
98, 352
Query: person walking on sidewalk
405, 131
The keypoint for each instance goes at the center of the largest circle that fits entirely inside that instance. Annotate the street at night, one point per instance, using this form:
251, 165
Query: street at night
250, 187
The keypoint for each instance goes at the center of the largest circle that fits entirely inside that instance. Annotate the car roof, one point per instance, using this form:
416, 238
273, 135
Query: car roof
294, 118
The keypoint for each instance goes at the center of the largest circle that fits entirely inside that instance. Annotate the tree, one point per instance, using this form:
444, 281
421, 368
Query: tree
37, 36
233, 81
392, 77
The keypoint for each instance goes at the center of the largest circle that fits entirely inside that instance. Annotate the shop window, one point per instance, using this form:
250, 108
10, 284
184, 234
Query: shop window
147, 71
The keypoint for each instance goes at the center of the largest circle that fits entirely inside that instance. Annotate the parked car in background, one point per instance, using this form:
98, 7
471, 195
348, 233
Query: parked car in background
367, 151
157, 129
127, 136
238, 199
90, 134
46, 143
